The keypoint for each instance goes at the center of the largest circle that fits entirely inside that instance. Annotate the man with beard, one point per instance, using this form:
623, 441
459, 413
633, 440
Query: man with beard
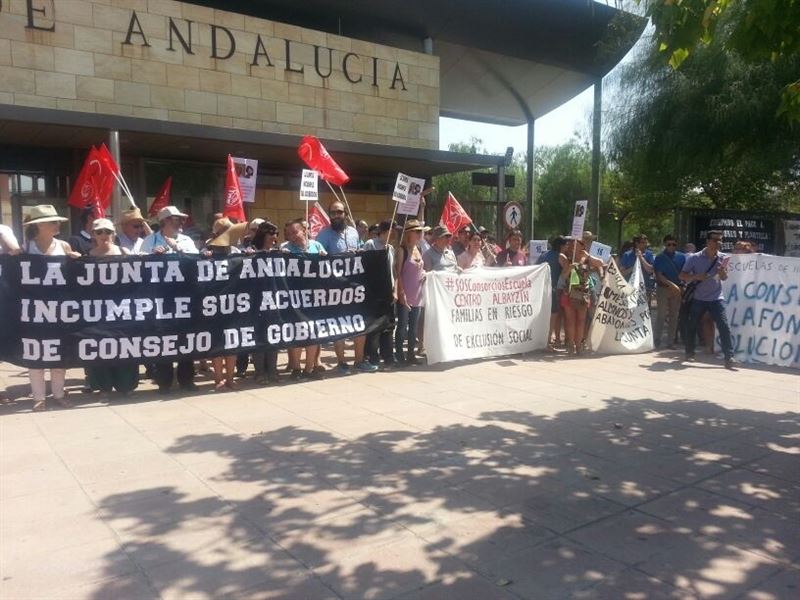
337, 238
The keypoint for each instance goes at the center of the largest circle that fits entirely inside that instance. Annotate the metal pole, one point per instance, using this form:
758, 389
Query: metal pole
596, 122
529, 195
113, 147
501, 199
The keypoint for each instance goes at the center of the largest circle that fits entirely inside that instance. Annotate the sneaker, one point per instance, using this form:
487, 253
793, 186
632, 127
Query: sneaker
730, 364
189, 387
343, 367
296, 374
690, 357
313, 375
366, 367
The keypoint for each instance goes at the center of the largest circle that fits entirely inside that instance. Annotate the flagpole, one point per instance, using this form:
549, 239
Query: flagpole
347, 204
391, 224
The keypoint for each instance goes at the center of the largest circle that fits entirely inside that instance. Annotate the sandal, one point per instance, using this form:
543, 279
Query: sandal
219, 386
39, 406
63, 402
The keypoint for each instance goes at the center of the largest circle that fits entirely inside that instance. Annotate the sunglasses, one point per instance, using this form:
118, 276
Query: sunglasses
668, 244
103, 232
337, 212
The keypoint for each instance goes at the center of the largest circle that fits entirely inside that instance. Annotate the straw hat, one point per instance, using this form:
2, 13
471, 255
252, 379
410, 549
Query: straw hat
226, 233
43, 213
413, 225
100, 224
132, 214
441, 231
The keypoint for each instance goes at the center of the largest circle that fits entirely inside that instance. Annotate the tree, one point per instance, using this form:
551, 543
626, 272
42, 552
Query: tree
755, 30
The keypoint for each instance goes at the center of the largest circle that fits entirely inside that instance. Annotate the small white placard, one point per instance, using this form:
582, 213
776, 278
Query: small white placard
309, 192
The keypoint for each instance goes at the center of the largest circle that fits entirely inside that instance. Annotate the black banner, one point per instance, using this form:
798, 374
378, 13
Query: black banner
736, 226
62, 312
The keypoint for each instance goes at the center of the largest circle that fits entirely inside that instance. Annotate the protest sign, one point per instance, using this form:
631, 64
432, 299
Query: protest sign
247, 172
486, 312
411, 204
762, 298
579, 218
621, 322
791, 238
309, 186
601, 251
535, 249
62, 312
400, 193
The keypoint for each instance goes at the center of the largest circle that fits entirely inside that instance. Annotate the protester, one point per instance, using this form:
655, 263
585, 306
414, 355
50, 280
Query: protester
42, 225
297, 242
667, 266
409, 274
460, 242
379, 343
122, 378
169, 240
439, 256
223, 244
689, 248
8, 241
134, 230
743, 247
576, 299
82, 242
514, 254
363, 231
554, 258
476, 254
266, 361
705, 271
426, 239
373, 232
336, 238
639, 252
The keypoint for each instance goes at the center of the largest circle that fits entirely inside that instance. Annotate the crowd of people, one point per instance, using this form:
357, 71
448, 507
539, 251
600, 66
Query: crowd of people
414, 249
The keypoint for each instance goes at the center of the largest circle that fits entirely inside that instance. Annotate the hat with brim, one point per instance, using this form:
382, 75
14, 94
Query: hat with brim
229, 236
413, 225
44, 213
132, 214
103, 224
441, 231
170, 211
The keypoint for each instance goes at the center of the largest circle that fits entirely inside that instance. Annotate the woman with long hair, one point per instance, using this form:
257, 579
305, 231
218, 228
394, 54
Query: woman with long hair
476, 254
576, 264
409, 274
42, 226
265, 361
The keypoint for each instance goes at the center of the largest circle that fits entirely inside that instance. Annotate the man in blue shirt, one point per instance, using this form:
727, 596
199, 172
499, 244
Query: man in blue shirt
644, 256
667, 266
707, 270
337, 238
552, 258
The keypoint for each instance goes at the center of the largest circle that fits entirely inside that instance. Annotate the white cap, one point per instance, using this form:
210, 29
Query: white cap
170, 211
255, 223
99, 224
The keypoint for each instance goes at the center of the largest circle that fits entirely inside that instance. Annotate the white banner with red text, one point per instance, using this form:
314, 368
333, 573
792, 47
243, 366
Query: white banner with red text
486, 312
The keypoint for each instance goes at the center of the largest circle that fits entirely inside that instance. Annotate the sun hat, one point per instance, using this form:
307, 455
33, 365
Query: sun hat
170, 211
441, 231
255, 223
99, 224
226, 233
43, 213
132, 214
413, 225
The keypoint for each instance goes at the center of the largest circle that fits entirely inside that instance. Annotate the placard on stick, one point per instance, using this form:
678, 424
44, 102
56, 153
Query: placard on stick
413, 196
309, 190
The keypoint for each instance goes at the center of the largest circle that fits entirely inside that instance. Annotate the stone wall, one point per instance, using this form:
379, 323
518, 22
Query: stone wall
100, 59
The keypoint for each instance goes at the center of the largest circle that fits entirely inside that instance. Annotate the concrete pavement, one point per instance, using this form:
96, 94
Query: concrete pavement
524, 477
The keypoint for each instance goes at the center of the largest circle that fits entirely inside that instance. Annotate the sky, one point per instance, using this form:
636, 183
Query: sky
556, 127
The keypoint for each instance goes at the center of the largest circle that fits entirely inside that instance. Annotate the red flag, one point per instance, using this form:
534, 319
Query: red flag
234, 208
317, 158
162, 198
454, 217
317, 220
95, 182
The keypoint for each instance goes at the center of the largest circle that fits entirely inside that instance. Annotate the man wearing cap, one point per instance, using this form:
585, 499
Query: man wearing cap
439, 256
169, 240
133, 230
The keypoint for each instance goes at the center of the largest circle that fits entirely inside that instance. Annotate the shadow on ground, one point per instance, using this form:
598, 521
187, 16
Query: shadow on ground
640, 499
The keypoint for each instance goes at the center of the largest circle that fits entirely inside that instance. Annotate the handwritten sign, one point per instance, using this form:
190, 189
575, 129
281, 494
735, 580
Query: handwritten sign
309, 190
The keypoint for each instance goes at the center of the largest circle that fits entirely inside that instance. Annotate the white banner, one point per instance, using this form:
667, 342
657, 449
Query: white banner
411, 204
621, 323
763, 308
601, 251
535, 249
579, 218
247, 173
791, 237
486, 312
309, 190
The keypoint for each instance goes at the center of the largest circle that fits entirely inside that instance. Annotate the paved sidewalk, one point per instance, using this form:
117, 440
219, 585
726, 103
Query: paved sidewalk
527, 477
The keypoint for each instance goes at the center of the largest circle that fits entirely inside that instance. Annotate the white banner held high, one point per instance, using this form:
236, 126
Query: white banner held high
309, 190
411, 204
247, 174
621, 323
486, 312
535, 249
601, 251
579, 218
763, 308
